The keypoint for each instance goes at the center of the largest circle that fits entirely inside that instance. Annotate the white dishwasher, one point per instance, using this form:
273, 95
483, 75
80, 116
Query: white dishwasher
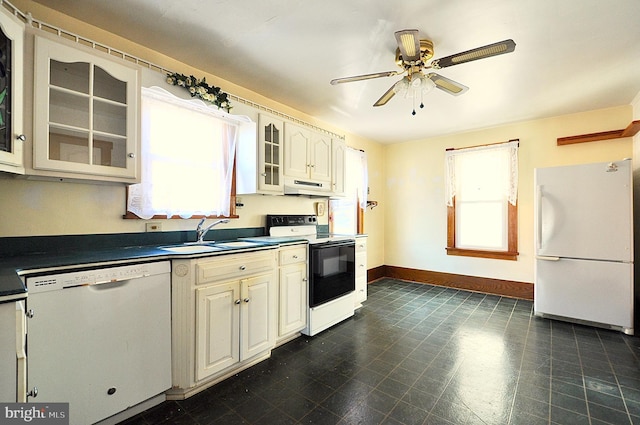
99, 339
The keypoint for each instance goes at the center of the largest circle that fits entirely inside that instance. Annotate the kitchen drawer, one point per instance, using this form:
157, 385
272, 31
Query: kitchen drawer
361, 264
296, 254
234, 266
361, 244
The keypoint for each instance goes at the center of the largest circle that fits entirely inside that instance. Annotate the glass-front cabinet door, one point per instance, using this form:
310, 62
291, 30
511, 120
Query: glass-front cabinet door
86, 113
270, 153
11, 93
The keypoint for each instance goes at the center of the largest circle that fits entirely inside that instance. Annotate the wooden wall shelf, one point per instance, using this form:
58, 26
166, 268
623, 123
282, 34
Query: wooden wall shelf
630, 131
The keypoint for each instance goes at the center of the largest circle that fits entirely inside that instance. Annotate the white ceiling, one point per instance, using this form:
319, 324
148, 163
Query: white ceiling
571, 55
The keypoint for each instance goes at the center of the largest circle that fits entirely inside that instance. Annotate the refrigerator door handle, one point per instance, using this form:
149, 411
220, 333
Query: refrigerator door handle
547, 258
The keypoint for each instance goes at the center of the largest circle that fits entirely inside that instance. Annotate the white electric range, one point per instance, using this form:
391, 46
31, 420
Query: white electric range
331, 269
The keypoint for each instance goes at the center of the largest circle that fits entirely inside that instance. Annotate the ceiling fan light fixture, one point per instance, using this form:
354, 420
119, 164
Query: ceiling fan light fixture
422, 83
402, 86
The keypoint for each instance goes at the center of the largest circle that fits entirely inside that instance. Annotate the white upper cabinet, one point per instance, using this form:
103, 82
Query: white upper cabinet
339, 149
296, 157
270, 153
307, 154
11, 93
86, 114
320, 157
259, 164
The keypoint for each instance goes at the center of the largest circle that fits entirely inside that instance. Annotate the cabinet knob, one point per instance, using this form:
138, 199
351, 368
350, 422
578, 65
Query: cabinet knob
21, 137
30, 313
264, 174
243, 267
236, 302
33, 393
131, 155
246, 300
304, 279
295, 257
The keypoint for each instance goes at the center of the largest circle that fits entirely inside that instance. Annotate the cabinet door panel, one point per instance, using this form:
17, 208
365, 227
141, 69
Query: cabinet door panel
217, 324
338, 148
257, 308
270, 153
293, 297
296, 156
11, 89
320, 157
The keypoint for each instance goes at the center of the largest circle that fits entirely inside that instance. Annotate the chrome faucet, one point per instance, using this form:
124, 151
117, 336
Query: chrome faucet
201, 232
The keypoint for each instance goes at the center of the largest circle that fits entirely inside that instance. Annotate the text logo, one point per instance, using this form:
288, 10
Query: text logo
34, 413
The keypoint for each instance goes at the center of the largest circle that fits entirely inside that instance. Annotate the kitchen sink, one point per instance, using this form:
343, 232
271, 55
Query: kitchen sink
199, 247
191, 249
238, 244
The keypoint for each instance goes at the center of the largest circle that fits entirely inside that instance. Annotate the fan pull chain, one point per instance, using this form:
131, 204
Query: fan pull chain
414, 103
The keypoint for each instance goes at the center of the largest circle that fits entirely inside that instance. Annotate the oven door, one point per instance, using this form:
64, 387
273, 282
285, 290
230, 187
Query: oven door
331, 271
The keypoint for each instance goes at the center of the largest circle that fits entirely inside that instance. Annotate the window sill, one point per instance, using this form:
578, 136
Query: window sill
131, 216
497, 255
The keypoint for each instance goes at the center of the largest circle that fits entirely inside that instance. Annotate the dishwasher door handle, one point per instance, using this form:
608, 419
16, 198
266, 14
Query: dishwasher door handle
116, 280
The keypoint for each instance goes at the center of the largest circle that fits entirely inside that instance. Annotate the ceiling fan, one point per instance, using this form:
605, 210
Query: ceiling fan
412, 56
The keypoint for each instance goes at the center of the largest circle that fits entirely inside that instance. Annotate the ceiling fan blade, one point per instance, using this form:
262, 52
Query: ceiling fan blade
409, 45
499, 48
364, 77
386, 96
447, 85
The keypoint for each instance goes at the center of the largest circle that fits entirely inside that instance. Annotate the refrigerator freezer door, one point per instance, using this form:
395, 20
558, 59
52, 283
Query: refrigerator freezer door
595, 291
584, 211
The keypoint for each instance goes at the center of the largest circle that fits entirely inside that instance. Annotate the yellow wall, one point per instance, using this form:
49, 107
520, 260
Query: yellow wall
416, 229
36, 207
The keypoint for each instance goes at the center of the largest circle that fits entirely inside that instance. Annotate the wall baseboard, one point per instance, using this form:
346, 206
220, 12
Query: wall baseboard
505, 288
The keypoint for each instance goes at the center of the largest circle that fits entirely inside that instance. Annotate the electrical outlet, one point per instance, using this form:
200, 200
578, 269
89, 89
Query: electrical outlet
153, 227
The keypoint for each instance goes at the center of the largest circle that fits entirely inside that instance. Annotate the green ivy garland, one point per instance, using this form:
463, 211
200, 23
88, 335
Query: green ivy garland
200, 89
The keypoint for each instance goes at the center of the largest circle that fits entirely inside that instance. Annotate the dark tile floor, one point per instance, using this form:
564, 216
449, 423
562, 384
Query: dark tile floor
421, 354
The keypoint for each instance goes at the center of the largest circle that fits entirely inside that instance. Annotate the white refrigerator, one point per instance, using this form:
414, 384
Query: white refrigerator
584, 244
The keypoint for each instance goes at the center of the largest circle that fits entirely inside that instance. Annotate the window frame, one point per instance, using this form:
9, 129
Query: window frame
512, 237
511, 226
199, 106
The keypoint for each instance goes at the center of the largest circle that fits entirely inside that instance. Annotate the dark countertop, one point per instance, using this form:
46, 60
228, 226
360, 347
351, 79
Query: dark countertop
12, 267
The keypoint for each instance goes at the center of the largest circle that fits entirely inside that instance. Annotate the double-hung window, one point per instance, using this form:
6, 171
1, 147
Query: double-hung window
481, 196
188, 154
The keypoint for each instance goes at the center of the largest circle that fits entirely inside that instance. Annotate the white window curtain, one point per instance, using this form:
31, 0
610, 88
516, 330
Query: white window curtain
357, 179
188, 150
344, 211
491, 169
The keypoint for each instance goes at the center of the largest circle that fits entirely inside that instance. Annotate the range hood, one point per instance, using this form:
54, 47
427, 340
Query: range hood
306, 187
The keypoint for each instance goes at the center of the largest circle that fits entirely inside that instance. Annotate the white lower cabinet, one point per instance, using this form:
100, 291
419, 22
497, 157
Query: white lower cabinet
224, 317
12, 352
232, 323
361, 270
292, 293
